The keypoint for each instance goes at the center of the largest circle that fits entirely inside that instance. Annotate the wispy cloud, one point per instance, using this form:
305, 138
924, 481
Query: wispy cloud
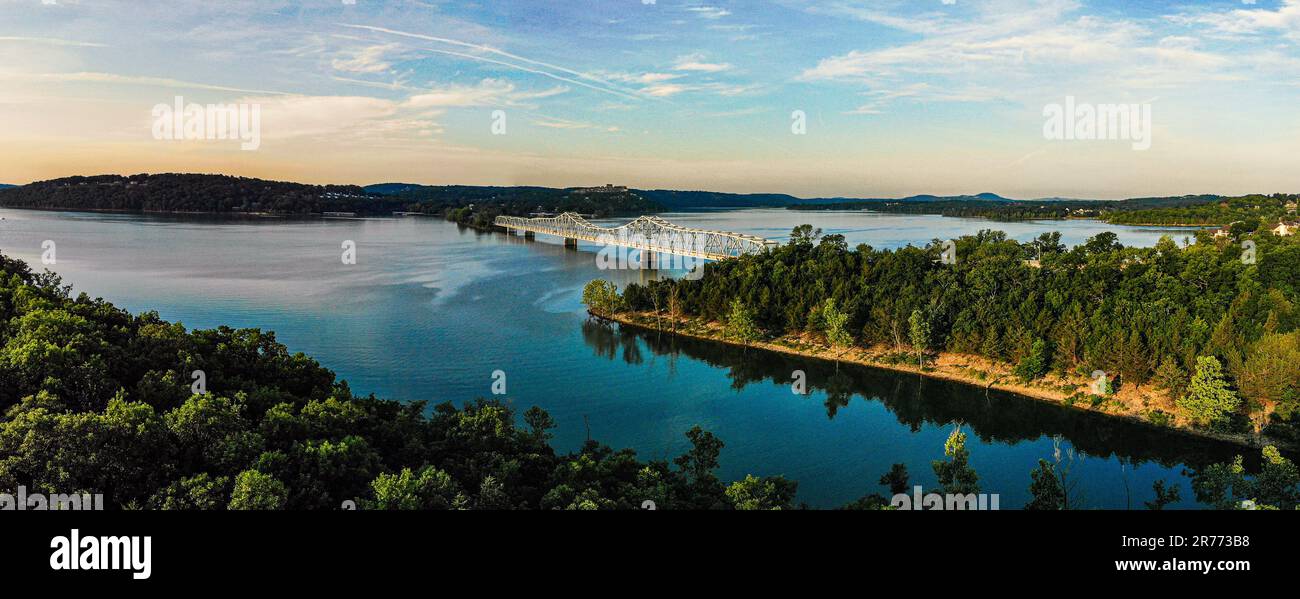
709, 12
879, 99
664, 90
392, 85
550, 122
288, 117
51, 41
111, 78
642, 78
369, 59
1247, 21
696, 62
1048, 45
486, 93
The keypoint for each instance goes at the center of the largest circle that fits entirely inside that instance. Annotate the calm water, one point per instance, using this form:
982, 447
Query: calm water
431, 310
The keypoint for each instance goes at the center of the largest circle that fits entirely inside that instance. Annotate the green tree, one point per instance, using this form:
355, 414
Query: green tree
896, 479
1164, 496
201, 492
767, 493
740, 323
492, 495
956, 477
804, 235
539, 423
211, 432
1046, 489
836, 325
602, 298
124, 452
1171, 377
1277, 481
698, 465
1208, 398
1226, 486
1271, 369
1221, 485
1034, 364
257, 491
919, 333
432, 489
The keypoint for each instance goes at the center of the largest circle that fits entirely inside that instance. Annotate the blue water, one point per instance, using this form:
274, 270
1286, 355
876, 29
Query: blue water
431, 310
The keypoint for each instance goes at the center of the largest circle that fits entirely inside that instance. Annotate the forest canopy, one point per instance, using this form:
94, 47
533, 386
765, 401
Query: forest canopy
1217, 332
97, 400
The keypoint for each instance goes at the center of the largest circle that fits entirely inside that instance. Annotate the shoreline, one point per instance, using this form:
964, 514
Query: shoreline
957, 368
231, 215
1182, 225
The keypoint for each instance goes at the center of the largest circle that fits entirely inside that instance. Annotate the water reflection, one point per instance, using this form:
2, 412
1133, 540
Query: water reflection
991, 416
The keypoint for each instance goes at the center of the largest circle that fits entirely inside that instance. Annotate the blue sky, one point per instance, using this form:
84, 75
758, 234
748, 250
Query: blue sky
899, 96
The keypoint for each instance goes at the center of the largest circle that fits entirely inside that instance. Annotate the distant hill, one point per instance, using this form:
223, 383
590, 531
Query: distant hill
390, 188
221, 194
6, 186
1204, 209
672, 199
479, 205
677, 200
1059, 199
171, 192
982, 197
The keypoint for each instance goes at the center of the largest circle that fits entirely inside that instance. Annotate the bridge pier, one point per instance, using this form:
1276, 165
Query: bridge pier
570, 242
648, 260
529, 235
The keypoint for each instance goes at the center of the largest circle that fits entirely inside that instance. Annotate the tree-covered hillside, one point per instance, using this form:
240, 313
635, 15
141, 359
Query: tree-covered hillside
971, 207
97, 400
679, 200
1174, 210
478, 206
1219, 334
219, 194
1254, 210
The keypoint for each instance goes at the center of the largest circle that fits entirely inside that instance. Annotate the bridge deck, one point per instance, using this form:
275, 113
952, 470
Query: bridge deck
649, 233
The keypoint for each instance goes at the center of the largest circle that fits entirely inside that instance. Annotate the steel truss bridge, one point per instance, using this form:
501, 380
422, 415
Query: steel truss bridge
647, 233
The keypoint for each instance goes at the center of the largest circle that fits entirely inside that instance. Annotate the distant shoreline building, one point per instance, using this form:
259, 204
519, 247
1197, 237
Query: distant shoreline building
608, 188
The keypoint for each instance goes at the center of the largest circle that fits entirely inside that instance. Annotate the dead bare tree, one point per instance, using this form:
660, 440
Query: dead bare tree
674, 305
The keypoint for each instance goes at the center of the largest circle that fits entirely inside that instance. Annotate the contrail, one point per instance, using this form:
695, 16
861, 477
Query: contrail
609, 87
535, 71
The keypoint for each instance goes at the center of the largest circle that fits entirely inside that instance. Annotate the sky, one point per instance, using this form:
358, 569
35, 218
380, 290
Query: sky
857, 98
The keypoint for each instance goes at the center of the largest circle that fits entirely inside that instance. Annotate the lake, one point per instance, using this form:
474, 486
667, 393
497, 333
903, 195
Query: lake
430, 310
